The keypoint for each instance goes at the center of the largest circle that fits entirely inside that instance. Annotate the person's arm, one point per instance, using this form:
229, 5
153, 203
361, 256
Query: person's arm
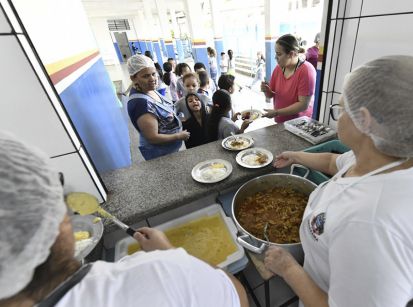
323, 162
148, 125
282, 263
299, 106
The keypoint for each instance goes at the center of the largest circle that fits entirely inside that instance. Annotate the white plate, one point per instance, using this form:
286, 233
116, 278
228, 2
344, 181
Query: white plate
85, 223
247, 158
211, 171
247, 140
254, 114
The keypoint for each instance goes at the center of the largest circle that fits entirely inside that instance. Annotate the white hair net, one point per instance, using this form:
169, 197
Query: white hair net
138, 62
31, 210
385, 88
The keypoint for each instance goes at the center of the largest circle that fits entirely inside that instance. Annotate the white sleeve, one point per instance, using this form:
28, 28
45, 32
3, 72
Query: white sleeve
369, 266
344, 159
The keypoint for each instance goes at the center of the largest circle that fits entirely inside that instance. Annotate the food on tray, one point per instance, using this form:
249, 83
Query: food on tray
250, 115
206, 238
218, 165
213, 172
237, 143
82, 203
281, 208
81, 235
254, 159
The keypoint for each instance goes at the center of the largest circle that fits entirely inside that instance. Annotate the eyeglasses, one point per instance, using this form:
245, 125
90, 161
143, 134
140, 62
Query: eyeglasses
335, 111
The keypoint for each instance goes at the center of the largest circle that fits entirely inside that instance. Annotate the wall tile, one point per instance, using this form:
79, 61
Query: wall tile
77, 179
345, 56
374, 7
4, 24
26, 109
331, 58
384, 35
353, 8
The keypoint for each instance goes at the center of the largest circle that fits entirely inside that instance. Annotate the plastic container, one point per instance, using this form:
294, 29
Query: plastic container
334, 146
309, 129
121, 247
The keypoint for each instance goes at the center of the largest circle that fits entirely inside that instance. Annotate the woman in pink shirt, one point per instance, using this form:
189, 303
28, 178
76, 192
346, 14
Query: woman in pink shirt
292, 82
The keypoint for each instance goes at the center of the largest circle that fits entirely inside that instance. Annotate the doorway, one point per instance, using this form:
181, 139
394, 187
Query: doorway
123, 45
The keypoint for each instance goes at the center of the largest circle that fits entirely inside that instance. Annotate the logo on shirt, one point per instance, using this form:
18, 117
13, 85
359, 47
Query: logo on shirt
316, 225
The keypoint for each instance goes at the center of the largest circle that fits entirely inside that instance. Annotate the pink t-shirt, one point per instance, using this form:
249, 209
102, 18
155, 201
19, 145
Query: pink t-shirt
301, 83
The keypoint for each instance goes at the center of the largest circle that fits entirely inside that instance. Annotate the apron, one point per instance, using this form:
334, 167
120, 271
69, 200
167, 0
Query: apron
151, 151
53, 298
316, 221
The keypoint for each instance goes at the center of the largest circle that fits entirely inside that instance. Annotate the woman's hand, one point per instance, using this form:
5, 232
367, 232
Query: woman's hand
270, 113
183, 135
284, 159
279, 261
152, 239
235, 116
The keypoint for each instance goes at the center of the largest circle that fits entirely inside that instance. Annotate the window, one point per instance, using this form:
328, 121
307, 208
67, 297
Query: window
118, 24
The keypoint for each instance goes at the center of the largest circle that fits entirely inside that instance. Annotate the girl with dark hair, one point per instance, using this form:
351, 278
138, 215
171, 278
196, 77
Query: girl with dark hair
219, 126
292, 82
196, 124
161, 88
180, 70
169, 78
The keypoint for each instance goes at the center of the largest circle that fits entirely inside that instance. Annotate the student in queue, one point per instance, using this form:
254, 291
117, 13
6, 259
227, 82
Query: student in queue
357, 228
181, 70
292, 84
196, 124
37, 263
153, 116
219, 126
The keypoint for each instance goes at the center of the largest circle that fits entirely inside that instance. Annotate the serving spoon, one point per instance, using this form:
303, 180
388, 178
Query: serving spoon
85, 203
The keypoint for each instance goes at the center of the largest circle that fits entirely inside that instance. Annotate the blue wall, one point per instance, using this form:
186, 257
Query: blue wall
94, 110
118, 53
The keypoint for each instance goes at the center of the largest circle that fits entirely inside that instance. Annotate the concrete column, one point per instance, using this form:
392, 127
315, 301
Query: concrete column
140, 25
152, 44
166, 37
177, 35
272, 9
195, 18
218, 29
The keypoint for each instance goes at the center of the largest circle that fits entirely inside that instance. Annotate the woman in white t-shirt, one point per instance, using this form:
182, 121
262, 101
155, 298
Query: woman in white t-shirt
357, 229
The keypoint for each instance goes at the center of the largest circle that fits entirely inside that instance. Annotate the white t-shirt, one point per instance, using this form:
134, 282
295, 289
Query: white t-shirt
358, 242
158, 278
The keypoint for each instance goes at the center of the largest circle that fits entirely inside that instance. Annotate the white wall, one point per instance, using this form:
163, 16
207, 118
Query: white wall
104, 41
362, 30
29, 105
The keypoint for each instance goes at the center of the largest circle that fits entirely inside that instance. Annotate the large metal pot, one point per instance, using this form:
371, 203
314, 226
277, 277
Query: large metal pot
265, 182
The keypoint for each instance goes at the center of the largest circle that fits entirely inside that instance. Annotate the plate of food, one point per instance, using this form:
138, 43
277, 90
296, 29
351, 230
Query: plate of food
254, 158
211, 171
237, 142
251, 114
87, 230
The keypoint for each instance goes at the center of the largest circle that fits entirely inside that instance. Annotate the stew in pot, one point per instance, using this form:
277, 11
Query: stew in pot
281, 208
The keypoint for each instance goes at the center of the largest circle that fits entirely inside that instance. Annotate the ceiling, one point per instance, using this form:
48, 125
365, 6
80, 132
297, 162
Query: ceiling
119, 8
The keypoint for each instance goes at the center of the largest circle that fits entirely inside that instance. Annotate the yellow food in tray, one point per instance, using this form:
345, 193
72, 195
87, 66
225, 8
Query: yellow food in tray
81, 235
206, 238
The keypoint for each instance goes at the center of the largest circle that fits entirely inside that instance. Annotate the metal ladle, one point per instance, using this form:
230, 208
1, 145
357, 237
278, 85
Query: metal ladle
85, 203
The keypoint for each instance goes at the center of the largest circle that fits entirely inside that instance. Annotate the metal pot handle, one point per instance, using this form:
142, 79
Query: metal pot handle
294, 166
250, 247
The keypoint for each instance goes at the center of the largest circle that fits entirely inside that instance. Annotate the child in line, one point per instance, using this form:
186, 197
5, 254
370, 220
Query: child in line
191, 85
204, 86
259, 70
180, 71
219, 126
169, 78
224, 63
199, 66
196, 124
